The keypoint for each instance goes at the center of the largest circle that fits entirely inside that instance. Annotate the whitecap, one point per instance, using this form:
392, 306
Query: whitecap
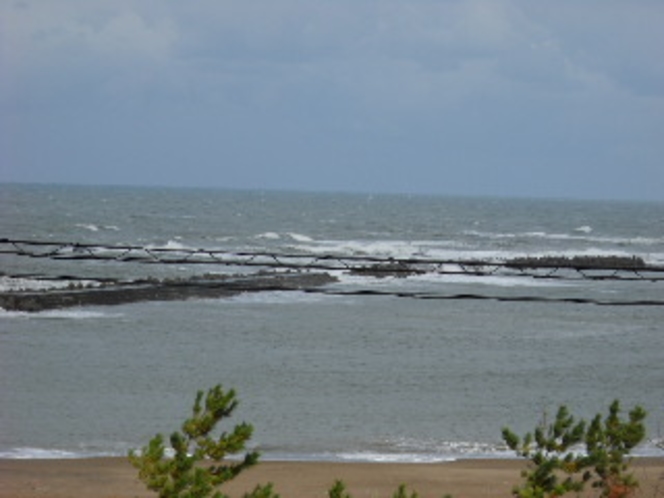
268, 236
75, 314
82, 451
582, 233
13, 284
171, 245
61, 314
28, 453
300, 237
374, 457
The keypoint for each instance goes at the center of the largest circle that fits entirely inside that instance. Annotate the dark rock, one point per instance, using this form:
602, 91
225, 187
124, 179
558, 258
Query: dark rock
383, 270
155, 290
580, 262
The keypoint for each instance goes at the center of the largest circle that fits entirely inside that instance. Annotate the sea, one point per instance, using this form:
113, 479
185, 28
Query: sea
425, 367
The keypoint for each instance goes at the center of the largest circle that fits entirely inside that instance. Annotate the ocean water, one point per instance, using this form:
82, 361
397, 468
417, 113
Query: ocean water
338, 375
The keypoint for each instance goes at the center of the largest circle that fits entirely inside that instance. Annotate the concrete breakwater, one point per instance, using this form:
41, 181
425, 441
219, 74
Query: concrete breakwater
160, 290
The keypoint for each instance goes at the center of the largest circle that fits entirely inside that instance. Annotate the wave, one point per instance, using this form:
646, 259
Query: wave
109, 449
38, 454
581, 234
390, 282
468, 245
398, 249
31, 453
172, 244
297, 237
396, 450
64, 314
372, 457
416, 450
300, 237
268, 235
96, 228
14, 284
409, 450
444, 453
454, 251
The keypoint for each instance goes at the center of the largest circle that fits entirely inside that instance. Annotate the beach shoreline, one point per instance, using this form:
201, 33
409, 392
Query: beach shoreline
114, 477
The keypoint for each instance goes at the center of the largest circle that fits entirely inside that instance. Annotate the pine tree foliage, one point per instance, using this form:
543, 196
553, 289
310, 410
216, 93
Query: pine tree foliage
197, 467
567, 454
338, 490
608, 444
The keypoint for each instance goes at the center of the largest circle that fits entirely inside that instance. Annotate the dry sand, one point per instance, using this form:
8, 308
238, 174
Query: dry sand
115, 477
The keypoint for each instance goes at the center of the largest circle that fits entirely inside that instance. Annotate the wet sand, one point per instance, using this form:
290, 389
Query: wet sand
115, 477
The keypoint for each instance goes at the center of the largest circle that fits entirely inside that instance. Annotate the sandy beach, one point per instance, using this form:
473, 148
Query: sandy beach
116, 478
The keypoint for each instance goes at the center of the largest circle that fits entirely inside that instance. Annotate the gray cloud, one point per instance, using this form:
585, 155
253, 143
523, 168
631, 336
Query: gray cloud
519, 93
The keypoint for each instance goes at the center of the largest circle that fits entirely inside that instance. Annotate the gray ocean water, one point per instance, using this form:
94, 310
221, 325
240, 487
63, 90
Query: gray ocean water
328, 377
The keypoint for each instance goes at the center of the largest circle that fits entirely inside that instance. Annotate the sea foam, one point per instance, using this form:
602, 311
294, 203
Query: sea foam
64, 314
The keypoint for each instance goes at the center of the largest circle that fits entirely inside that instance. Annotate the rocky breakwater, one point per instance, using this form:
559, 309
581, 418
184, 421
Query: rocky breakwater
201, 287
580, 262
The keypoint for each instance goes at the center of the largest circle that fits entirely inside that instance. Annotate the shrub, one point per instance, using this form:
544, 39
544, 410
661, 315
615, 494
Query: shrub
196, 470
566, 455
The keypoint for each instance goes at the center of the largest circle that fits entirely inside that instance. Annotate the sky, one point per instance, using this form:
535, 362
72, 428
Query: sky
525, 98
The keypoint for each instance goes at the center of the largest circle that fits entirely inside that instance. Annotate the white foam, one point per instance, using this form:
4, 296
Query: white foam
110, 449
268, 236
389, 282
410, 450
441, 250
299, 237
370, 248
13, 284
88, 226
372, 457
581, 234
174, 244
38, 454
65, 314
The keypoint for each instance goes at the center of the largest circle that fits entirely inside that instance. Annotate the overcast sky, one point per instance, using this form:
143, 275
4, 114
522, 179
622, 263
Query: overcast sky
529, 98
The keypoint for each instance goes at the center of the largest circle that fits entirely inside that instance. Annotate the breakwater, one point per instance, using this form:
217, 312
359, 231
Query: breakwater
159, 290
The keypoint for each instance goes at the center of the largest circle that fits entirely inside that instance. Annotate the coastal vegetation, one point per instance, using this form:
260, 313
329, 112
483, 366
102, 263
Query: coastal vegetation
565, 456
179, 475
568, 454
